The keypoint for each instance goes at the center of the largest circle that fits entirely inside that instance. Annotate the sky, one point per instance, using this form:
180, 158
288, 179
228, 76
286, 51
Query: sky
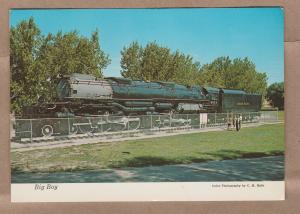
203, 33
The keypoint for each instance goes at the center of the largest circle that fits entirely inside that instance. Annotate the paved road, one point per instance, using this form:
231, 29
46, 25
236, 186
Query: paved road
254, 169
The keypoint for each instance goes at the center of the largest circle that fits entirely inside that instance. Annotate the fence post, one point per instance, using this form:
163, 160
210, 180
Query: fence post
101, 122
128, 129
31, 130
215, 119
277, 116
187, 120
227, 118
199, 120
69, 128
249, 118
151, 122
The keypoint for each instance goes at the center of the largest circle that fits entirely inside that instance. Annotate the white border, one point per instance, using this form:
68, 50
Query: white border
172, 191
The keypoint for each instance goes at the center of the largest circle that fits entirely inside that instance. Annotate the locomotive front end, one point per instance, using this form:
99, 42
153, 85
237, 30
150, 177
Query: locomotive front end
83, 86
63, 88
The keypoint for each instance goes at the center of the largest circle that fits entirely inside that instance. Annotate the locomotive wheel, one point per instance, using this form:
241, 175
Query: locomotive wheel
47, 130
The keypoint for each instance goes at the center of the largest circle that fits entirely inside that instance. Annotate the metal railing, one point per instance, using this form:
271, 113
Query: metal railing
46, 128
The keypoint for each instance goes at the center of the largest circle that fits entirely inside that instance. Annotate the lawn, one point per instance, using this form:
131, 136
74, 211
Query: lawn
259, 141
280, 115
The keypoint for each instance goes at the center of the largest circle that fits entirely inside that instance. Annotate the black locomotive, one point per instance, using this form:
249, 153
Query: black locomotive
84, 95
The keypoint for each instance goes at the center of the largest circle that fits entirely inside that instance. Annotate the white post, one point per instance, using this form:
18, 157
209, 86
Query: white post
199, 120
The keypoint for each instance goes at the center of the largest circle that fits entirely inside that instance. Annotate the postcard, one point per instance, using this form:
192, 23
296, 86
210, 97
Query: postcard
174, 104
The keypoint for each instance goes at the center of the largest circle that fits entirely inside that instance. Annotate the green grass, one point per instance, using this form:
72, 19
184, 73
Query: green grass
259, 141
281, 115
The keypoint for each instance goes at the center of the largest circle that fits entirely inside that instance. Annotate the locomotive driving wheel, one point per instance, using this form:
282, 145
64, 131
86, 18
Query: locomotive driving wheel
47, 130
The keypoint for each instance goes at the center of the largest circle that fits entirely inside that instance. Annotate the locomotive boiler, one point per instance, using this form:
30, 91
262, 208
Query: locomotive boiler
81, 94
86, 104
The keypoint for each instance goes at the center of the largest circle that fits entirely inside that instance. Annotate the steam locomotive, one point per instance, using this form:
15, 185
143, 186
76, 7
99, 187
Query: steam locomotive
86, 104
81, 94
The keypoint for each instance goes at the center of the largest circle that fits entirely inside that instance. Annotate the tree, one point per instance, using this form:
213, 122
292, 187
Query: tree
25, 41
68, 53
275, 94
157, 63
184, 70
234, 74
37, 61
214, 74
131, 61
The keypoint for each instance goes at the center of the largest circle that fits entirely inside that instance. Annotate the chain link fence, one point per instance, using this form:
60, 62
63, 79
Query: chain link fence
47, 128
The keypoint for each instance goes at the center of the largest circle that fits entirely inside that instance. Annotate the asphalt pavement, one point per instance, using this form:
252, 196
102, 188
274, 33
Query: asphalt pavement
250, 169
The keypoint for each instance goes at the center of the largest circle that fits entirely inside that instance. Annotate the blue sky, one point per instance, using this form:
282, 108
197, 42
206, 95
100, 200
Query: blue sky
205, 34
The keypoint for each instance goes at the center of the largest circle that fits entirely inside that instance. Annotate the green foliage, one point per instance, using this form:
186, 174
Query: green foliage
234, 74
131, 61
37, 60
25, 41
157, 63
275, 94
